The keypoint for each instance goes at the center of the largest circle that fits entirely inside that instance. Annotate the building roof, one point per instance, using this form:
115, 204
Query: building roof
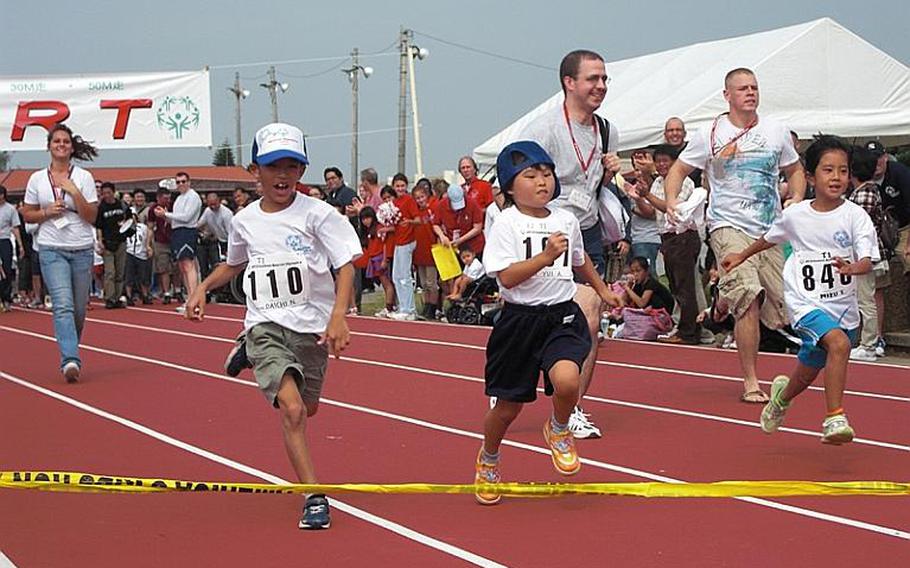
16, 180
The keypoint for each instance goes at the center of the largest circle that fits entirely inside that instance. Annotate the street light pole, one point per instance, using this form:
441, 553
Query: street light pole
403, 42
353, 76
414, 51
239, 94
272, 86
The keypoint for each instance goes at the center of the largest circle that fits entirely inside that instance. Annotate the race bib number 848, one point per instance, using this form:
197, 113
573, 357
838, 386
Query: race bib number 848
277, 281
819, 278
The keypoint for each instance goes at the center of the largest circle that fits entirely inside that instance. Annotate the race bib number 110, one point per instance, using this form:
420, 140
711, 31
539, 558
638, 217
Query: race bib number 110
819, 278
278, 281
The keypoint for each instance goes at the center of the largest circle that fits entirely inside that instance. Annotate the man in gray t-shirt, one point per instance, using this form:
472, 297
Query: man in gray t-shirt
9, 226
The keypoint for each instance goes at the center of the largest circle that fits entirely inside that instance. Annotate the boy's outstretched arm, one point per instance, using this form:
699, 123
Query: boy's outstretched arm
337, 335
862, 266
733, 260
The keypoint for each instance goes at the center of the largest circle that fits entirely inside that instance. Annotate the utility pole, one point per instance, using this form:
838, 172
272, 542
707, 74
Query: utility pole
404, 46
272, 86
415, 117
355, 66
239, 94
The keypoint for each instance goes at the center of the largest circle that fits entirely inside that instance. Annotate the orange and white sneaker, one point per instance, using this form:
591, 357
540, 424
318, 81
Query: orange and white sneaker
486, 474
562, 449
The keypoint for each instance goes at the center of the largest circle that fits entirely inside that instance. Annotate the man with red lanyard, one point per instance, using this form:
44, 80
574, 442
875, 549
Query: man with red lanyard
573, 137
742, 157
474, 188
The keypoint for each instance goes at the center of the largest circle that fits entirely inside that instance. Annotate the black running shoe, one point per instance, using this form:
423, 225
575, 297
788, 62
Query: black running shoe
237, 360
315, 513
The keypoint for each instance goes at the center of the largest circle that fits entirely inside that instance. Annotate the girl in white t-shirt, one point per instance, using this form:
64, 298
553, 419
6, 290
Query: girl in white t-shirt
63, 200
833, 240
532, 251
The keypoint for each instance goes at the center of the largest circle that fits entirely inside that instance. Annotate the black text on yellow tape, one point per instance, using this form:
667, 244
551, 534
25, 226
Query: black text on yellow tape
90, 482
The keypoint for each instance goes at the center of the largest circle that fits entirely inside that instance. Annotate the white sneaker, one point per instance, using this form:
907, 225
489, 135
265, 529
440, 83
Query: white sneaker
707, 337
581, 426
71, 372
880, 347
403, 316
383, 313
181, 309
836, 430
862, 354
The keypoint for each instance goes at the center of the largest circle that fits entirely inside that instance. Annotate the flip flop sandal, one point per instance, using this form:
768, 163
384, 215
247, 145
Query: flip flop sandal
754, 397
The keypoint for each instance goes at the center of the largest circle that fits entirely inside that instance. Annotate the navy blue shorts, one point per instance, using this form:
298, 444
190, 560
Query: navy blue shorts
183, 243
811, 329
529, 339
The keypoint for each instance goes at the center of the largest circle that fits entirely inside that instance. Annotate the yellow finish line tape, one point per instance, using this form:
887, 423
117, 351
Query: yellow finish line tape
90, 482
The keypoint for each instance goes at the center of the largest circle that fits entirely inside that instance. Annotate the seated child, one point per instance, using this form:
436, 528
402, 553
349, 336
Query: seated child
473, 270
647, 291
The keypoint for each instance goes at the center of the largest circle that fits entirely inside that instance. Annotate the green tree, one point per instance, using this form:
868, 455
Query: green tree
224, 155
4, 160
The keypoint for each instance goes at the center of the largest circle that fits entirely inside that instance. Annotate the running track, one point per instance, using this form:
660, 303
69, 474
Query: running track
405, 405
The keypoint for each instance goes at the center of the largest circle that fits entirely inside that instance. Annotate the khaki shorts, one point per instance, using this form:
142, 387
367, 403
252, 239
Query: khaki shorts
429, 278
275, 351
763, 272
163, 263
882, 272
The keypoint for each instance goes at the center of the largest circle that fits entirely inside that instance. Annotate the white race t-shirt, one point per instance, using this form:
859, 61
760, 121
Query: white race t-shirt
289, 253
578, 191
810, 280
68, 231
516, 237
489, 217
742, 173
474, 271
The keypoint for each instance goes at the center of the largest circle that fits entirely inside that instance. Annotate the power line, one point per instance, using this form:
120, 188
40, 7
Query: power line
304, 60
484, 52
317, 74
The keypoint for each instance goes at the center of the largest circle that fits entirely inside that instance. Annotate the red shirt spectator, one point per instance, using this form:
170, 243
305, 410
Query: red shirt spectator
404, 232
475, 188
423, 233
161, 227
460, 220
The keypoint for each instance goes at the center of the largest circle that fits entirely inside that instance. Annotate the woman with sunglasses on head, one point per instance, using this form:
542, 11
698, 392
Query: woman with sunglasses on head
62, 199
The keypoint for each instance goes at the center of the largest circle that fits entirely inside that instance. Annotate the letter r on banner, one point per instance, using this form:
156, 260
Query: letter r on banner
24, 117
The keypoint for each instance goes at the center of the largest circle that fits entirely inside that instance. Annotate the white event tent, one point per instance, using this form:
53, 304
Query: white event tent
813, 77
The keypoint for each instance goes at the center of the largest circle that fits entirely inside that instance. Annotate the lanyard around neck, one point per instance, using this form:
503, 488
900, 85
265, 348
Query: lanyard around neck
585, 164
733, 140
50, 180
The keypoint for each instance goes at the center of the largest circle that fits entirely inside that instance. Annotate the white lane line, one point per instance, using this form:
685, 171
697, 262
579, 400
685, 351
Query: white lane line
425, 371
249, 470
5, 562
603, 465
439, 343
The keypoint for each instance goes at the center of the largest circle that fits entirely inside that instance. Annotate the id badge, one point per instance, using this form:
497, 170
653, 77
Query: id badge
61, 221
581, 199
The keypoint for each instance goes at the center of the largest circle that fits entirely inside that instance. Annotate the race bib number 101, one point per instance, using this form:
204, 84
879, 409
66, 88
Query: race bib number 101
278, 281
819, 278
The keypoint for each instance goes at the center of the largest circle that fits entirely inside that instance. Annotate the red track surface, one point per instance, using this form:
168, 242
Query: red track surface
418, 418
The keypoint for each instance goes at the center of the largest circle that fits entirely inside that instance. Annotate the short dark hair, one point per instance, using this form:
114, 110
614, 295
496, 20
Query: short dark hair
862, 163
738, 71
370, 176
138, 191
823, 144
108, 185
642, 262
665, 150
182, 174
400, 177
572, 61
334, 170
163, 191
3, 190
465, 248
387, 190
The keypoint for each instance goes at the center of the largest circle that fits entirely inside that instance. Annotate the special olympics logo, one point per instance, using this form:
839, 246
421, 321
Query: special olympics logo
842, 239
178, 116
296, 244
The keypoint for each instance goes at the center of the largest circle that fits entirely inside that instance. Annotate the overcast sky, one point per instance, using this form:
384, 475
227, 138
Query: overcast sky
463, 96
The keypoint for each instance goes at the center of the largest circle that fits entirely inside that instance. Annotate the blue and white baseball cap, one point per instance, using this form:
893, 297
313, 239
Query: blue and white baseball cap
456, 197
278, 140
520, 155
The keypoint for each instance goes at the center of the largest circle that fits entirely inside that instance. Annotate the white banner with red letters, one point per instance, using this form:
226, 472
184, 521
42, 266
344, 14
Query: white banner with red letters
114, 110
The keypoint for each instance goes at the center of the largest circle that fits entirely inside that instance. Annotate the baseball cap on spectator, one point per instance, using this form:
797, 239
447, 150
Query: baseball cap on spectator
875, 147
169, 184
518, 156
276, 141
456, 197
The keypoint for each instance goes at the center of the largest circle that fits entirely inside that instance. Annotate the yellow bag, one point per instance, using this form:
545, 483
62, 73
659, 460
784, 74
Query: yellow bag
446, 262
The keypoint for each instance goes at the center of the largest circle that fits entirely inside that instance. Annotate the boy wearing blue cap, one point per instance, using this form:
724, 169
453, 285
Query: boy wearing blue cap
532, 251
288, 245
